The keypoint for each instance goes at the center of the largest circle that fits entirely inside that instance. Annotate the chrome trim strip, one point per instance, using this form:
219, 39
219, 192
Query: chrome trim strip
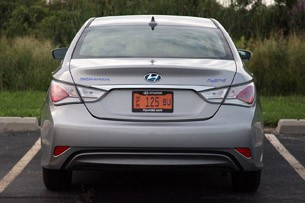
183, 87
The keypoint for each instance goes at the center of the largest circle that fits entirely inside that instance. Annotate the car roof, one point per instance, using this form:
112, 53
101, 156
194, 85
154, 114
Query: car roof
160, 19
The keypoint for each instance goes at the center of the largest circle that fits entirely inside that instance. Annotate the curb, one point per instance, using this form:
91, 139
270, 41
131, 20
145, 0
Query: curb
14, 124
291, 126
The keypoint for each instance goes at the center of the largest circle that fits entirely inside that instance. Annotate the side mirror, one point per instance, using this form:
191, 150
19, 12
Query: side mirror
244, 54
59, 53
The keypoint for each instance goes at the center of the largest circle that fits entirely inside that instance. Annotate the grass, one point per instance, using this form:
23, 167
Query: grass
21, 103
29, 103
278, 107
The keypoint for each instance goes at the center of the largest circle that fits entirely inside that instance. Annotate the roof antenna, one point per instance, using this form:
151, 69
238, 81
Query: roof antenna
152, 23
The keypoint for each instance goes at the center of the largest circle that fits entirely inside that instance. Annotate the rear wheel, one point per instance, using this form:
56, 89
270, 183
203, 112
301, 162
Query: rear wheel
56, 179
246, 181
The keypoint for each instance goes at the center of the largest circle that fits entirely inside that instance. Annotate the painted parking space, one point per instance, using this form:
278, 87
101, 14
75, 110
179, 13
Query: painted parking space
12, 147
295, 144
294, 163
280, 182
28, 185
19, 166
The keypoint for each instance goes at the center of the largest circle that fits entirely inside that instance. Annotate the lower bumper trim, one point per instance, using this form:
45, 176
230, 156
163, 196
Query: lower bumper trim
93, 160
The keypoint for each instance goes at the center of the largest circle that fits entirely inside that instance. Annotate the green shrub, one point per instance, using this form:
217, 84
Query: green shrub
25, 64
278, 65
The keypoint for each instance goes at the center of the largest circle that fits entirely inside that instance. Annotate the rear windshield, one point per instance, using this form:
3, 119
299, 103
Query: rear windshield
143, 42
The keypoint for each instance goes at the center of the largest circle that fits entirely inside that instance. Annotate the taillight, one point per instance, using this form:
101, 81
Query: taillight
243, 95
216, 95
245, 152
61, 93
90, 94
58, 93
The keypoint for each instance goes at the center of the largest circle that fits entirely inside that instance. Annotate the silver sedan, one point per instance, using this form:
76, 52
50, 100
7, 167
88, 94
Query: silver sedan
157, 91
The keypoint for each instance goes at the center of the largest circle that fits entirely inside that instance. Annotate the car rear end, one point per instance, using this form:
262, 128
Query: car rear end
160, 91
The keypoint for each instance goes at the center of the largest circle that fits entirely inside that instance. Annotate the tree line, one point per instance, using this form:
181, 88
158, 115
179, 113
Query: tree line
60, 19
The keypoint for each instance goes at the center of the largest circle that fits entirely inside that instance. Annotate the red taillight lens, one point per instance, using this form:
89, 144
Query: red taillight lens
62, 93
244, 151
59, 150
58, 93
246, 95
241, 95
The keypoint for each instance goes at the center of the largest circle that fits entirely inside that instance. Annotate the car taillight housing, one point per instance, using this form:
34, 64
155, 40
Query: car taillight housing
62, 93
243, 95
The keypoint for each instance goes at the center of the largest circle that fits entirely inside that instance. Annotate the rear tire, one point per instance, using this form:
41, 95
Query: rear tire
246, 181
56, 179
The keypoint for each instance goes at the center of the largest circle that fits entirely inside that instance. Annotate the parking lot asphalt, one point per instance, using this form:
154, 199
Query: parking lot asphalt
280, 181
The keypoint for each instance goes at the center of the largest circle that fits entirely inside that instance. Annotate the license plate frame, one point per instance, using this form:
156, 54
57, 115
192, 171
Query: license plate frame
152, 101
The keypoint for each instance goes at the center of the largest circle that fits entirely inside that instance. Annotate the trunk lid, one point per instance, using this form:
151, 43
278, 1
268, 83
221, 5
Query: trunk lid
182, 78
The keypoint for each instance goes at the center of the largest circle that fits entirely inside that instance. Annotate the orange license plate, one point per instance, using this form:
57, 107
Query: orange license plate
152, 101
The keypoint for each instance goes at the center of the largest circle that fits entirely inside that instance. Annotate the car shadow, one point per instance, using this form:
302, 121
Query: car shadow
153, 186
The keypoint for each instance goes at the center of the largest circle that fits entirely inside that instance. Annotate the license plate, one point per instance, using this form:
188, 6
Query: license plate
152, 101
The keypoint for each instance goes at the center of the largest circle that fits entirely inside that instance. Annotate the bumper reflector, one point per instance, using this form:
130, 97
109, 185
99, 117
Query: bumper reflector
59, 150
245, 152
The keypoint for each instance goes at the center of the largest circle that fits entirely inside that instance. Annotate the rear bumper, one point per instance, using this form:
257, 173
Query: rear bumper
96, 142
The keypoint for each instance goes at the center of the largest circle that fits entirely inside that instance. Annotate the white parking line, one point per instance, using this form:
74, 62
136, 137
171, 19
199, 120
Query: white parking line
17, 169
296, 165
